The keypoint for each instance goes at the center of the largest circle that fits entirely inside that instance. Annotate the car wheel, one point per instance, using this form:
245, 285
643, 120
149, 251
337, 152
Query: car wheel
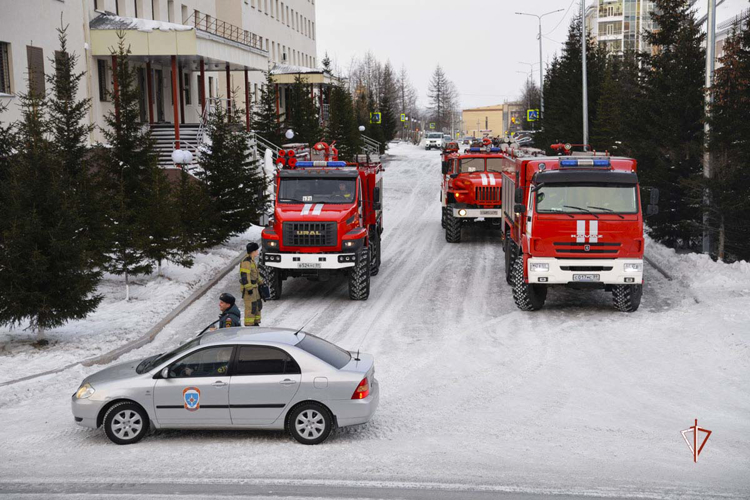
310, 423
125, 423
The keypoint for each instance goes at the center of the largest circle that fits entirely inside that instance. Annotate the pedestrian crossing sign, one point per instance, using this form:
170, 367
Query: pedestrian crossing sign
375, 118
532, 115
403, 117
432, 126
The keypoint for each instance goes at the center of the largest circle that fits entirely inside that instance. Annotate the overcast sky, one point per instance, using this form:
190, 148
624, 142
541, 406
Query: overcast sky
479, 43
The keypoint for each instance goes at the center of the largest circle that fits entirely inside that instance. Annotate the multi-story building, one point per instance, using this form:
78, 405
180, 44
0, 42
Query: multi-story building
621, 24
498, 120
187, 54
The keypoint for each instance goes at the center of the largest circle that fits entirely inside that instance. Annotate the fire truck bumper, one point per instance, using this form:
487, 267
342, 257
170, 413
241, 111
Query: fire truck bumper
310, 261
473, 213
548, 270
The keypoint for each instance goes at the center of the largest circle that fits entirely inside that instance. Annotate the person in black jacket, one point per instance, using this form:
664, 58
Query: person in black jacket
230, 313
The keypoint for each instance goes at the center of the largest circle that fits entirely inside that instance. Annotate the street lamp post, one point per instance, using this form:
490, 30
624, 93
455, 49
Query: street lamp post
541, 66
710, 65
585, 83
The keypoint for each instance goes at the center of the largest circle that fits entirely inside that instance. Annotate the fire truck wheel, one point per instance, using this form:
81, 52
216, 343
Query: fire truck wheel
443, 217
272, 278
510, 251
359, 276
627, 298
374, 253
527, 297
452, 229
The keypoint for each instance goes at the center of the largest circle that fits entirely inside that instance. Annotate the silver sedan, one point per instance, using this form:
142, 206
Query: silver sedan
234, 378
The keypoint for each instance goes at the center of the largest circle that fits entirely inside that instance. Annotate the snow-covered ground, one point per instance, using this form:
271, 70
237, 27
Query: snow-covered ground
116, 321
576, 398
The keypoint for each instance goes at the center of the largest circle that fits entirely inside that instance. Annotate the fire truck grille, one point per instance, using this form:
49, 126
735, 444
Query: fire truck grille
593, 250
310, 234
586, 269
487, 194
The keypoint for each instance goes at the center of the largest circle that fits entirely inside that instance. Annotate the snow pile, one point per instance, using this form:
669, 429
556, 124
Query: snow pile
115, 321
113, 22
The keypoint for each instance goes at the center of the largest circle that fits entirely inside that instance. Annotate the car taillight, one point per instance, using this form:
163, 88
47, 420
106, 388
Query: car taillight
363, 390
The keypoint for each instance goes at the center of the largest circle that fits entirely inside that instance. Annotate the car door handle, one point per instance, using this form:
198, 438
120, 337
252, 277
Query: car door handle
288, 382
219, 383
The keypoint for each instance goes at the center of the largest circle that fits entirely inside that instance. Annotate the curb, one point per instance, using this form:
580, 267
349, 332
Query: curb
148, 337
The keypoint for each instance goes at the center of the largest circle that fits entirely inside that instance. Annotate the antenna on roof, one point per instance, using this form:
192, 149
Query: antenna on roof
306, 323
357, 357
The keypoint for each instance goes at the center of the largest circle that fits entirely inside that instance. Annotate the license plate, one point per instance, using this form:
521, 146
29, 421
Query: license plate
308, 265
489, 212
586, 277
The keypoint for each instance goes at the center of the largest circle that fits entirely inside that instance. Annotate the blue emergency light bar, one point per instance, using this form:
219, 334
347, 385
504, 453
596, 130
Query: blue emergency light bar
585, 162
321, 164
482, 150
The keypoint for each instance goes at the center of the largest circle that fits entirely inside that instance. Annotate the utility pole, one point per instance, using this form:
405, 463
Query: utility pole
585, 83
541, 66
710, 65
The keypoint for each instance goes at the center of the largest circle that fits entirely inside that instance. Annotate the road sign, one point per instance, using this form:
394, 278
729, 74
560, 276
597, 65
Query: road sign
432, 126
375, 117
403, 117
532, 115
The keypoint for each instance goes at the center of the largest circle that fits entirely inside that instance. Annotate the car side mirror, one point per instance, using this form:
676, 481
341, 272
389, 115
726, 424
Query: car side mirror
519, 208
453, 176
519, 195
376, 194
654, 197
165, 372
652, 210
445, 167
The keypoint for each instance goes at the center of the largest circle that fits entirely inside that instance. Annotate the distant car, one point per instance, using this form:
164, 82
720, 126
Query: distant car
433, 140
234, 378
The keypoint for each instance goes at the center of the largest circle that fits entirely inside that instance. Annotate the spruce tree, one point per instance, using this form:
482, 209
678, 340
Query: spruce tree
234, 182
195, 213
45, 272
437, 93
302, 113
730, 149
265, 119
326, 62
69, 134
342, 124
388, 91
670, 145
128, 176
8, 147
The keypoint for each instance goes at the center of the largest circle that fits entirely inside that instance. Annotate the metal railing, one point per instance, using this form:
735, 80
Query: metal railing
605, 12
371, 145
209, 24
604, 32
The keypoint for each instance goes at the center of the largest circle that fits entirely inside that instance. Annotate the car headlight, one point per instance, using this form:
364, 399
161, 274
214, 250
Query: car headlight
273, 244
349, 244
85, 391
462, 212
539, 267
633, 268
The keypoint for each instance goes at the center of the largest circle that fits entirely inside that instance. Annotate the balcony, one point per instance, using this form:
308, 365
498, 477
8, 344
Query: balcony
606, 12
209, 24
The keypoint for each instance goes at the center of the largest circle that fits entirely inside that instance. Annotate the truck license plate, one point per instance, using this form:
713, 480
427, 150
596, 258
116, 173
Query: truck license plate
308, 265
585, 277
489, 212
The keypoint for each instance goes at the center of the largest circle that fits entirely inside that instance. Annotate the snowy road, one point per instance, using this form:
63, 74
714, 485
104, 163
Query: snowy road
576, 399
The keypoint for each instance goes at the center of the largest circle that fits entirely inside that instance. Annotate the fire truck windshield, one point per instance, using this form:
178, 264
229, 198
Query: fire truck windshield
556, 198
312, 190
469, 165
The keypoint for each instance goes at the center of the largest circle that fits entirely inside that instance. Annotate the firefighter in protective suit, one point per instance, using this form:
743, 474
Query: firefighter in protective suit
250, 280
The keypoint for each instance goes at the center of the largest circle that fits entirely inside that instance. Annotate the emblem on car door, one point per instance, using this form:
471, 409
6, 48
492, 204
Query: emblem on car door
587, 248
192, 398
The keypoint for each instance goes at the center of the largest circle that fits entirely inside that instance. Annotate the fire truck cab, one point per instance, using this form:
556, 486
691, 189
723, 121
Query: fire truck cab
328, 219
470, 188
573, 221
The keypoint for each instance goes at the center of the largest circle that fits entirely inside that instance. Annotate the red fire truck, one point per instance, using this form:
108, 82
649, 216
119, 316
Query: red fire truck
328, 219
471, 188
573, 221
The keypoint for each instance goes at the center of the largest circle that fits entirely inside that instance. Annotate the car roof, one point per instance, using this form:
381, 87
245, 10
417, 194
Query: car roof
252, 334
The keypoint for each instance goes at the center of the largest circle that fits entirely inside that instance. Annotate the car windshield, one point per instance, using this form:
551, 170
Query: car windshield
494, 165
469, 165
434, 136
158, 359
322, 349
312, 190
586, 198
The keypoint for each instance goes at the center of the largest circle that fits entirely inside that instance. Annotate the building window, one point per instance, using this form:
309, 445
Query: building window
101, 66
186, 82
35, 59
5, 87
210, 87
184, 14
170, 11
